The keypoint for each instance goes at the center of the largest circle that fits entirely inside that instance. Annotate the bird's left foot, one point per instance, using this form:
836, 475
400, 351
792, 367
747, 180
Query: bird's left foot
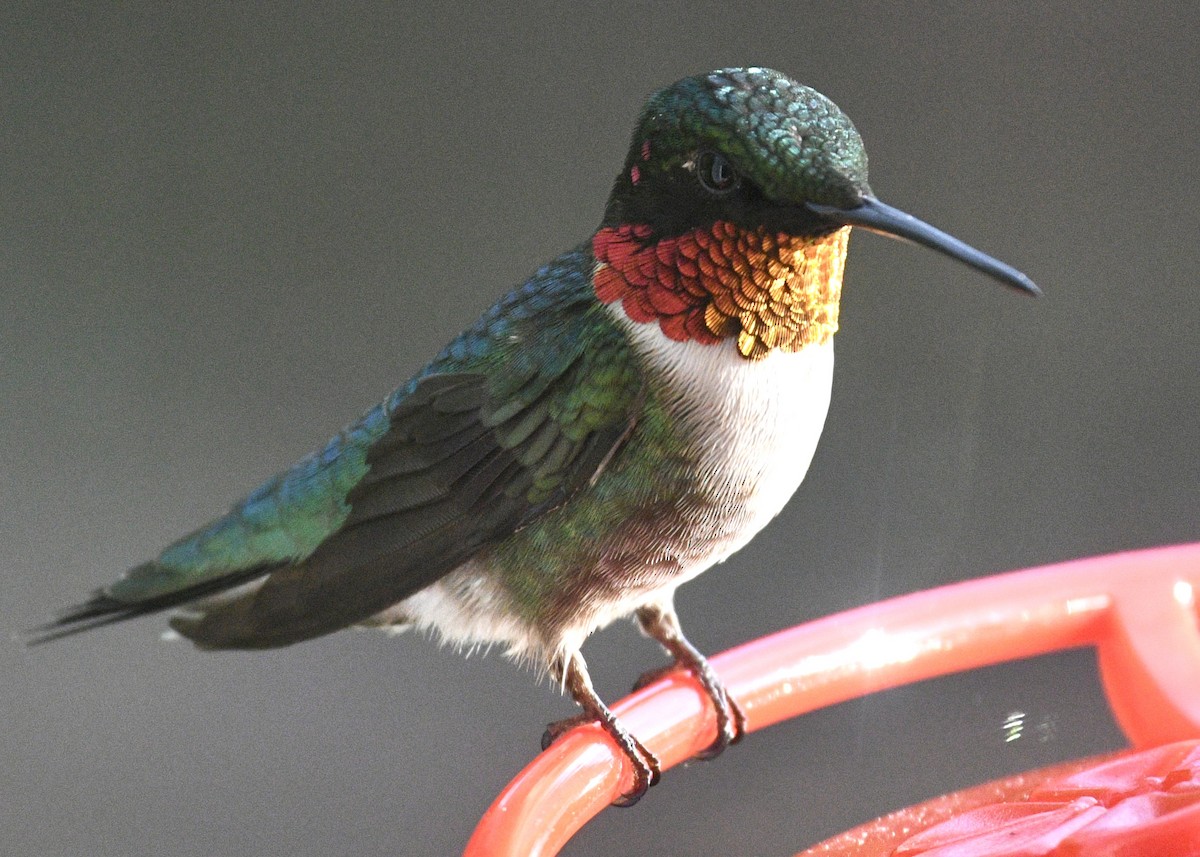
646, 768
662, 625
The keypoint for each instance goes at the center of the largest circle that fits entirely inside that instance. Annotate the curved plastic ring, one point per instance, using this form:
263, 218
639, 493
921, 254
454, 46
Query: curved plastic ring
1137, 608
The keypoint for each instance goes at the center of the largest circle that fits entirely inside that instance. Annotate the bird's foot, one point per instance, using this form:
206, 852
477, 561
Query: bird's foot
731, 720
559, 728
646, 768
663, 626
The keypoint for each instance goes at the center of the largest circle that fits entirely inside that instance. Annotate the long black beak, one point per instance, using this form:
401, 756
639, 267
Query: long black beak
877, 217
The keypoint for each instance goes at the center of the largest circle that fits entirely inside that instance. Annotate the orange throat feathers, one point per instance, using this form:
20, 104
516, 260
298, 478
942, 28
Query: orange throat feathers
769, 290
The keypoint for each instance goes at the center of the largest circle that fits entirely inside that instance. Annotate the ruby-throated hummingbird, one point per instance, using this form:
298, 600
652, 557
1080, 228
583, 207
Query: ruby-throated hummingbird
632, 414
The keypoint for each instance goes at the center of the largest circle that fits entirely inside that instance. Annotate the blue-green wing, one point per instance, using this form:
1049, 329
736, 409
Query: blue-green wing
513, 418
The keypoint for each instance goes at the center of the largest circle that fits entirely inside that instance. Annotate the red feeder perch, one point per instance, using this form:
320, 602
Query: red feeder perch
1138, 609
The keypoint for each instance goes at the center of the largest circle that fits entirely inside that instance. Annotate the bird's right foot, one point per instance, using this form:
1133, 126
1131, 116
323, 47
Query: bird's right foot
662, 625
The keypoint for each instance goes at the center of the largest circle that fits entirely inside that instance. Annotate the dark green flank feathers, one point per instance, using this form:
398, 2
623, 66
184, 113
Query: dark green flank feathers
631, 415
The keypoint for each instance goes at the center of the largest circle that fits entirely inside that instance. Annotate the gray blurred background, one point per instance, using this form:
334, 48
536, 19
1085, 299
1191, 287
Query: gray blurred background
227, 232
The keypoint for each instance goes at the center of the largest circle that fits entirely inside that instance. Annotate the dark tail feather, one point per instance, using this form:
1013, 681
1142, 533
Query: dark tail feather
102, 609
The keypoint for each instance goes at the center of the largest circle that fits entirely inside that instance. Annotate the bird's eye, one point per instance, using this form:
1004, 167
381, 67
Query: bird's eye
715, 172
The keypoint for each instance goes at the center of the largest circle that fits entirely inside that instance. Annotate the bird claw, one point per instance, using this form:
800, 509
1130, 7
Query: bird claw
572, 672
646, 768
731, 726
731, 719
558, 728
646, 772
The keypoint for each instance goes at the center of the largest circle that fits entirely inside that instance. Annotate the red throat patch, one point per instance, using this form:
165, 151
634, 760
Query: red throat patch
769, 290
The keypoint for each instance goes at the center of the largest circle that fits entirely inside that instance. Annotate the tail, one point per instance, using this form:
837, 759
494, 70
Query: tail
103, 608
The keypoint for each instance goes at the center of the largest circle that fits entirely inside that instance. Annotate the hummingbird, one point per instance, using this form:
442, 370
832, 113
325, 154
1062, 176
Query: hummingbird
630, 415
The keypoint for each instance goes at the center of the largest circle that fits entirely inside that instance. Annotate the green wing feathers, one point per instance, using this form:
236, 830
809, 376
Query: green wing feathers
469, 457
281, 522
512, 419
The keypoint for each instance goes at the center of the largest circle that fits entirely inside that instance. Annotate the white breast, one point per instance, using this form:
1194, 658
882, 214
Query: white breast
755, 423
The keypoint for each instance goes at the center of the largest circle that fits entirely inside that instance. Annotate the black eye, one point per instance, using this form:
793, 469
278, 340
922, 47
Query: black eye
715, 172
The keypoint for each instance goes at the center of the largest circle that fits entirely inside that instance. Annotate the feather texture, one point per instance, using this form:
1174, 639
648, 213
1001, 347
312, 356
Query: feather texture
508, 422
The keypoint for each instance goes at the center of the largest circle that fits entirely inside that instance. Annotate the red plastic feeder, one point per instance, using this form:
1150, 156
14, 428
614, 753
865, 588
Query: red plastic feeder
1138, 609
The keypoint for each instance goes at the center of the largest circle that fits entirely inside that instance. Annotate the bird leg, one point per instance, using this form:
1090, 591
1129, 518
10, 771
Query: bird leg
572, 673
660, 623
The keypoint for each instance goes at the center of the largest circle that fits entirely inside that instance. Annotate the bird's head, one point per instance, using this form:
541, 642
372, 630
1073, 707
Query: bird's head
731, 214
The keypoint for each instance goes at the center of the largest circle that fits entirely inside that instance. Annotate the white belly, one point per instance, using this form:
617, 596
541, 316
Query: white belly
755, 423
